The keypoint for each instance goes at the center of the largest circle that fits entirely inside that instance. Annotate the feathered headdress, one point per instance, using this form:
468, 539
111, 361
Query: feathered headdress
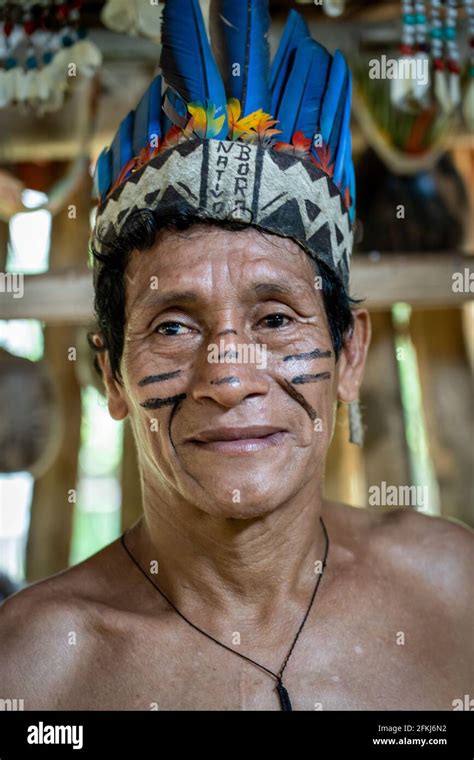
223, 133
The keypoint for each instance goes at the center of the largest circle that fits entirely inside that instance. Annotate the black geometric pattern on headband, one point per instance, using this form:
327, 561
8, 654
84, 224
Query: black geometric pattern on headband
220, 179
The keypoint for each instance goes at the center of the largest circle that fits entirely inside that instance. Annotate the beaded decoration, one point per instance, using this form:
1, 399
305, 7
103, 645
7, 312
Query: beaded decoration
468, 101
39, 42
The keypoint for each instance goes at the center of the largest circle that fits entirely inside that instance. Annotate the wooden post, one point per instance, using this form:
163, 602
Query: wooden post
446, 384
385, 443
51, 514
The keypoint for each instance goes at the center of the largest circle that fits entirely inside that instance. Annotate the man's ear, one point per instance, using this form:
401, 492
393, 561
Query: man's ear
116, 401
352, 358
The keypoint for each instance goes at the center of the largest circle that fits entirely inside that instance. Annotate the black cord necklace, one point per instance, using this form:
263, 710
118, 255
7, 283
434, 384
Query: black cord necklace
282, 692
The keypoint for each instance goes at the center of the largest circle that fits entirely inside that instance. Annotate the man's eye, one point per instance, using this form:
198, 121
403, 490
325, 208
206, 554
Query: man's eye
275, 321
171, 328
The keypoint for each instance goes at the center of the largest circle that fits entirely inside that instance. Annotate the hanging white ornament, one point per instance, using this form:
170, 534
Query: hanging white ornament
11, 84
441, 90
120, 16
454, 90
400, 89
4, 93
88, 57
421, 84
23, 85
334, 8
468, 100
44, 82
31, 85
453, 56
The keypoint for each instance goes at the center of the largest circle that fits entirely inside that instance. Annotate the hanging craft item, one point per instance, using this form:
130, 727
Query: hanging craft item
334, 7
42, 49
13, 198
409, 103
140, 17
410, 92
468, 101
445, 55
134, 17
453, 65
441, 90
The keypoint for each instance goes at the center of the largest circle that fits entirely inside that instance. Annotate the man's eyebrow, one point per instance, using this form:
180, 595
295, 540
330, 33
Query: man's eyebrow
155, 298
279, 288
261, 289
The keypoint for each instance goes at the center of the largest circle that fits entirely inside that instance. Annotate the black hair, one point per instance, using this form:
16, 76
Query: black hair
139, 232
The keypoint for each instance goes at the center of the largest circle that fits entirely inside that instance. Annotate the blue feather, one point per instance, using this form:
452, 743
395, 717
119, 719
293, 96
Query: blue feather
346, 169
332, 110
239, 37
121, 149
296, 30
344, 137
126, 135
187, 61
147, 117
154, 111
140, 124
103, 173
301, 99
348, 177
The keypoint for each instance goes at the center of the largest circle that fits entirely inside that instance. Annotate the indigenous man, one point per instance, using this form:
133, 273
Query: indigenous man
227, 335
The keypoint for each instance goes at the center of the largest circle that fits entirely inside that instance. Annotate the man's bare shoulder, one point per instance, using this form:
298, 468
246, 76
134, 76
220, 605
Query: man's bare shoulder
433, 552
90, 581
40, 624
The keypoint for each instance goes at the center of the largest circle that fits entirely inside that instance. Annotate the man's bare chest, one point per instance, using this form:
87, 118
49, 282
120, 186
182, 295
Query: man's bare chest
174, 668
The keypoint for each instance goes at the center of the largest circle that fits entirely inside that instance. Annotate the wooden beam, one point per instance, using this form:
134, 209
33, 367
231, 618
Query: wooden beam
418, 279
66, 296
63, 296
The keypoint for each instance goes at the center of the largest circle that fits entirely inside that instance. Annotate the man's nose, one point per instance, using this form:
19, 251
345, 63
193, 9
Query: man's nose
230, 370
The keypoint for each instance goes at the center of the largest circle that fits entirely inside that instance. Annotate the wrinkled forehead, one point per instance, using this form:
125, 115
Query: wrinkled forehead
210, 261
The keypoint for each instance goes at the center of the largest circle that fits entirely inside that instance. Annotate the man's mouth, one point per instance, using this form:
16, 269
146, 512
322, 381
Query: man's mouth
240, 440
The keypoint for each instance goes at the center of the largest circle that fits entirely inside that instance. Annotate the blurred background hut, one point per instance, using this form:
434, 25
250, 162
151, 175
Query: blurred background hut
69, 71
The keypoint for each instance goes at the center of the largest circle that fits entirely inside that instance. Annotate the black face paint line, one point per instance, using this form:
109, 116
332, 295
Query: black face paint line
232, 380
302, 379
317, 353
158, 403
159, 378
175, 408
298, 397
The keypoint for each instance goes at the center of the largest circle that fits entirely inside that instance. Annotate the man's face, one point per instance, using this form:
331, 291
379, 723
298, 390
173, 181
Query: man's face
229, 373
